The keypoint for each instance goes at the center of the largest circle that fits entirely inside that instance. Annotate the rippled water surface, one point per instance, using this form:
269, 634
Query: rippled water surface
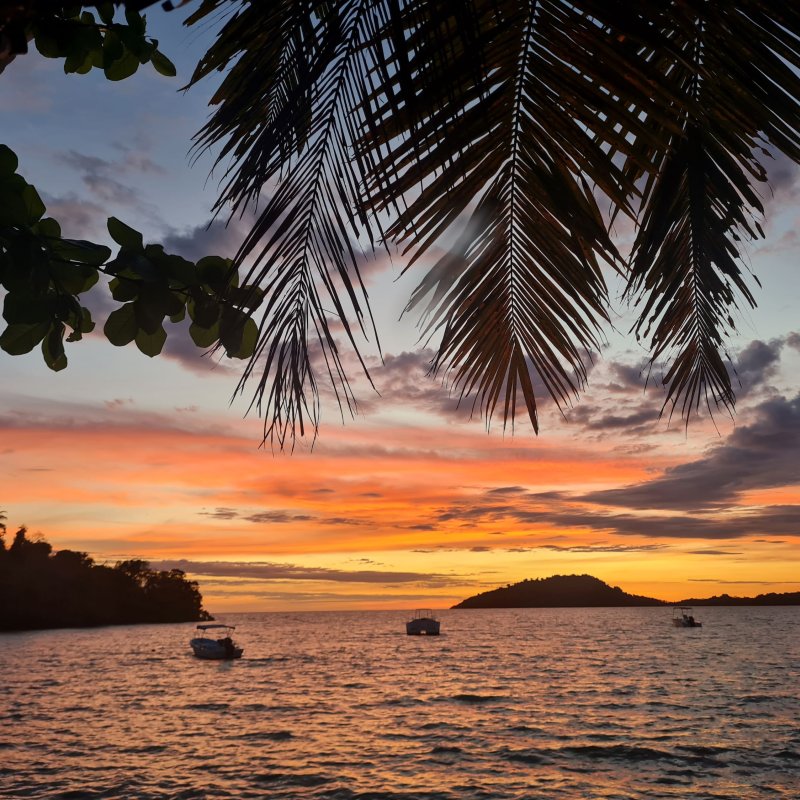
535, 703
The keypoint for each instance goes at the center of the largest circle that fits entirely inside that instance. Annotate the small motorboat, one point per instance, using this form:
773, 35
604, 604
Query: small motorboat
206, 645
423, 623
682, 618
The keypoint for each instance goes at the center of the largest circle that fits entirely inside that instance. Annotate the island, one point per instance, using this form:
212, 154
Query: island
586, 591
40, 588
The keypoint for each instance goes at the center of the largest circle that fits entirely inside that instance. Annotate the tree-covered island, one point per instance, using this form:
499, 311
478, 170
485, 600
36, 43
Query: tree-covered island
42, 588
586, 591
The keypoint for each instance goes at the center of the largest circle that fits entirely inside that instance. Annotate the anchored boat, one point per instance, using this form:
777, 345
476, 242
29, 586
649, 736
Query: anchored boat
423, 623
682, 618
206, 645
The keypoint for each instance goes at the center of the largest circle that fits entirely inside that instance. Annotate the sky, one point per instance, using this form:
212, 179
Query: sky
412, 503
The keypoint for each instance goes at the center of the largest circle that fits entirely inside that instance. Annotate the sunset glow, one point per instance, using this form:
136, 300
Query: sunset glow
412, 502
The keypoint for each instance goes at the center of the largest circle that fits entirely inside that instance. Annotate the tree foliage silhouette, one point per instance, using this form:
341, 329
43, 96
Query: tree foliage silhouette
40, 588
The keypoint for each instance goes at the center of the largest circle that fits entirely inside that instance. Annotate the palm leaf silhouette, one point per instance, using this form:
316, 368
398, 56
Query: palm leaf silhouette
295, 131
699, 198
495, 130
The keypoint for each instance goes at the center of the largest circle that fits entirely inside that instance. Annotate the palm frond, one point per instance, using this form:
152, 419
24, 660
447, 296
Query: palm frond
403, 118
513, 147
296, 135
700, 198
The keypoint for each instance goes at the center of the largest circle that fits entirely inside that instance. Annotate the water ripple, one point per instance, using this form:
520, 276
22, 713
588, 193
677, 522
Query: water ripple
548, 704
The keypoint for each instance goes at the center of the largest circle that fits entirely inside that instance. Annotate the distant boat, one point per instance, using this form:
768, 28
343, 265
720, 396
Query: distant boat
682, 618
423, 623
204, 646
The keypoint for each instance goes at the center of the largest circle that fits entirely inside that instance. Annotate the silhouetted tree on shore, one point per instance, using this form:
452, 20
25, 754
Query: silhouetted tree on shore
40, 588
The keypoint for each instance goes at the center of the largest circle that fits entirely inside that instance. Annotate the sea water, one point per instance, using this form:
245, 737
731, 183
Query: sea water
528, 703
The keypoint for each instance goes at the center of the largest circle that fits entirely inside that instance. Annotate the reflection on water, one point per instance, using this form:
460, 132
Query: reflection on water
536, 703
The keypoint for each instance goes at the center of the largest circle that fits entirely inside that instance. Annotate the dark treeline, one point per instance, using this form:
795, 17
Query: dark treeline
40, 588
769, 599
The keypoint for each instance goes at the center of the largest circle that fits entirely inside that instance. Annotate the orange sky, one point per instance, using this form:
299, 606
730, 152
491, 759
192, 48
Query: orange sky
411, 504
383, 514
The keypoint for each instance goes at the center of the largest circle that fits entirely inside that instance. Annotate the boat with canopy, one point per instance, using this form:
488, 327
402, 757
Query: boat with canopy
210, 646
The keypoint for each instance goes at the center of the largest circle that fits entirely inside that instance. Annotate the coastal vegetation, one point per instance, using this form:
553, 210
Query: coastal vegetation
43, 588
585, 591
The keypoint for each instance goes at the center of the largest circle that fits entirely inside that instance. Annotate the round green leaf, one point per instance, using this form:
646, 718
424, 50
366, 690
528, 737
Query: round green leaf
136, 22
122, 67
214, 270
26, 309
47, 44
33, 204
13, 210
124, 289
204, 337
79, 61
151, 344
113, 48
163, 65
121, 326
74, 278
19, 339
204, 310
53, 348
8, 160
82, 251
249, 340
124, 235
106, 12
47, 227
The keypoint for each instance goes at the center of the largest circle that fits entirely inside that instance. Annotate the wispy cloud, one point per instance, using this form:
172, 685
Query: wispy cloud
271, 571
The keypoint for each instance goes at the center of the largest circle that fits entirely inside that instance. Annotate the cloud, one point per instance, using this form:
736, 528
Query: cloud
735, 583
26, 413
628, 376
294, 598
783, 176
756, 364
626, 409
118, 403
27, 86
101, 177
761, 455
212, 238
180, 348
281, 517
271, 571
405, 380
220, 513
600, 548
632, 423
531, 516
78, 218
628, 403
277, 517
714, 553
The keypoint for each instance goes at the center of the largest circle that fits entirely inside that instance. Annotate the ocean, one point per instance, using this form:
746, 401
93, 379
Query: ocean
512, 703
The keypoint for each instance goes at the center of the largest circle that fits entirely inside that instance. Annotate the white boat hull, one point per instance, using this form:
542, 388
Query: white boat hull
214, 650
679, 623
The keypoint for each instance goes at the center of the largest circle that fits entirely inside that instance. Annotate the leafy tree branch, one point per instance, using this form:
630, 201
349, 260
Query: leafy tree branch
46, 275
